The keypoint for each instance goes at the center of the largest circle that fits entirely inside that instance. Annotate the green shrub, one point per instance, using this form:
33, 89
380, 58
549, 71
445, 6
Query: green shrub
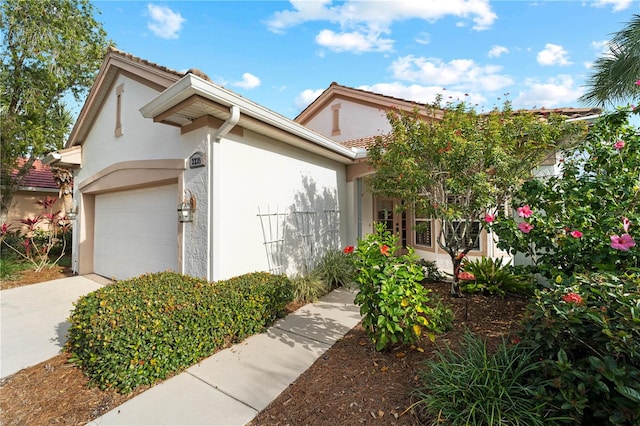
393, 302
495, 277
431, 272
335, 268
471, 387
9, 267
588, 335
308, 288
139, 331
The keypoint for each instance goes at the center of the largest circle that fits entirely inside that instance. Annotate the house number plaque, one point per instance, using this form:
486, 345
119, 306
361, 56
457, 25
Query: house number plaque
196, 160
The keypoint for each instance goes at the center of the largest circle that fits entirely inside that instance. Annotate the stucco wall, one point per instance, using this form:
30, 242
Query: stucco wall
141, 139
356, 121
258, 174
24, 204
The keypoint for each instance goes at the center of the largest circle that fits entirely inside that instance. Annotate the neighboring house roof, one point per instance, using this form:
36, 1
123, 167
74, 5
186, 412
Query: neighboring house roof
115, 63
39, 176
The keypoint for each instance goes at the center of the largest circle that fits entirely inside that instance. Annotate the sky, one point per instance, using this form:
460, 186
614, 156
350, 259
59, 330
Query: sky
283, 54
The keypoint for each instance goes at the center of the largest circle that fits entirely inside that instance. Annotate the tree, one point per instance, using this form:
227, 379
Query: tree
51, 49
459, 166
586, 219
616, 74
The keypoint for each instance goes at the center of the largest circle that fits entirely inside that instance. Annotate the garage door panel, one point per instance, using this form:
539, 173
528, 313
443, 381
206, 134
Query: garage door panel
136, 232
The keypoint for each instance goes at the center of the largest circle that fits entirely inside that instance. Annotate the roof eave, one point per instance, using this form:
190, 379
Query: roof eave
192, 85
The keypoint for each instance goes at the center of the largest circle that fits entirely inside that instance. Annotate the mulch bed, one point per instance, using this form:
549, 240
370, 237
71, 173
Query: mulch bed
350, 384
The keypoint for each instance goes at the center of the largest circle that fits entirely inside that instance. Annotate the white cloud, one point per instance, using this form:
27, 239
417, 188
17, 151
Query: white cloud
423, 38
165, 23
553, 54
497, 51
249, 81
306, 97
554, 92
381, 13
618, 5
456, 74
361, 23
601, 46
356, 42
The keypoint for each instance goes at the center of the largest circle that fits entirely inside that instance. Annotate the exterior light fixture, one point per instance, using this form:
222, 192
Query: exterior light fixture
186, 207
72, 214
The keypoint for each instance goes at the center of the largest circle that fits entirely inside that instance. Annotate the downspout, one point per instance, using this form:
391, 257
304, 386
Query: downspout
221, 132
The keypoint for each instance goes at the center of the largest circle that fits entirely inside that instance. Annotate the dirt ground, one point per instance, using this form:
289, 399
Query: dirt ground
350, 384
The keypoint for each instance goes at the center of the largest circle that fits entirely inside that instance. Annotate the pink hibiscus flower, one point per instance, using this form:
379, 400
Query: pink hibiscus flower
525, 227
623, 242
525, 211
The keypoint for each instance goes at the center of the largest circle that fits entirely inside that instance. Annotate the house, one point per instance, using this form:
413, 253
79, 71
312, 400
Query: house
37, 184
355, 118
175, 172
266, 193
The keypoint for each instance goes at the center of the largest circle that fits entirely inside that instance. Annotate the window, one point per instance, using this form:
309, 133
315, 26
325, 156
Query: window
423, 230
458, 227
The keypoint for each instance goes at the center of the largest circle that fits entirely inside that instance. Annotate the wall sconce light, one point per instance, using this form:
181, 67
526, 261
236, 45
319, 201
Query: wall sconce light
72, 214
186, 207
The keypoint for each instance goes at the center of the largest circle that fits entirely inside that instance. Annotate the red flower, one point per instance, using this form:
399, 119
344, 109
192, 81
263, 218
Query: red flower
576, 234
572, 298
384, 249
515, 340
348, 249
489, 218
4, 229
618, 145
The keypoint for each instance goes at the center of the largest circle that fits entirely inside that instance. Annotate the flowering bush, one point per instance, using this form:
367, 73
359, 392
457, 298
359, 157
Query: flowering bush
40, 237
587, 218
588, 336
392, 300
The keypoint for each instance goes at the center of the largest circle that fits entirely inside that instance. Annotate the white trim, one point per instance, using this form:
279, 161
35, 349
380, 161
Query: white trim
191, 85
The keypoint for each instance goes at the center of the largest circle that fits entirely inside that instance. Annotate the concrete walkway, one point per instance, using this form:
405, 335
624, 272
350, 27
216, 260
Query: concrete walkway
33, 320
232, 386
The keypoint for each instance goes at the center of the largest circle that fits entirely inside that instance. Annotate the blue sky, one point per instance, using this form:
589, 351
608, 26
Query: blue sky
283, 54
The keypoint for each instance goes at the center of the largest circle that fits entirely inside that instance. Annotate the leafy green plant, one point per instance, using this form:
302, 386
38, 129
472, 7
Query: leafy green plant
9, 267
493, 276
469, 386
588, 336
585, 219
430, 270
392, 300
139, 331
336, 268
308, 288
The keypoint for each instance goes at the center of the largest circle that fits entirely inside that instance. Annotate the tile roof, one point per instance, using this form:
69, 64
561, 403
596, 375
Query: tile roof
145, 62
39, 176
569, 113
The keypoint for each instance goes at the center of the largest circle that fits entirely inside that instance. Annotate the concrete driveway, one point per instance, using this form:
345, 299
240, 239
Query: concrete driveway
33, 320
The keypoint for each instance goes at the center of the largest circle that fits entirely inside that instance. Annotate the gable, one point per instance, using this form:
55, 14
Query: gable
117, 63
344, 113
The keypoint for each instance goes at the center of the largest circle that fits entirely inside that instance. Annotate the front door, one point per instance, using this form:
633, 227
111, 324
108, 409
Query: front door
395, 222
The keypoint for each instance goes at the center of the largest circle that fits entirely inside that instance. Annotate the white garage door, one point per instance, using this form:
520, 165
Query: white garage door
136, 232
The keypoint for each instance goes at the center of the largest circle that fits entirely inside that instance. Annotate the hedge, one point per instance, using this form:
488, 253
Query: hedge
139, 331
